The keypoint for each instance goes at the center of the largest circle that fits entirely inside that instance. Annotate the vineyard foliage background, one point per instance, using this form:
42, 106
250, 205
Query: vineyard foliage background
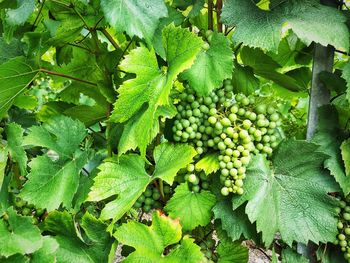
94, 132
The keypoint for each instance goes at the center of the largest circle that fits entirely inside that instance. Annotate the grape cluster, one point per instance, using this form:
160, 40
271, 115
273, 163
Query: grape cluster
242, 129
205, 239
151, 198
236, 126
25, 209
343, 238
191, 124
196, 180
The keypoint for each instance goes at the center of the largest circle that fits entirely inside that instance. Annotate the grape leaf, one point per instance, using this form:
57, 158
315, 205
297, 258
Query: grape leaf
62, 135
243, 80
176, 155
11, 50
193, 209
140, 98
14, 134
346, 76
150, 241
229, 251
126, 177
137, 18
19, 236
208, 72
235, 223
20, 15
209, 163
72, 247
15, 76
309, 20
294, 191
345, 152
47, 253
3, 162
264, 66
18, 258
328, 136
289, 255
174, 17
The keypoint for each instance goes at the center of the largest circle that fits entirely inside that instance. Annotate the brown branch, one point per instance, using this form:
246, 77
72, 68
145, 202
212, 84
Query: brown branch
210, 14
218, 14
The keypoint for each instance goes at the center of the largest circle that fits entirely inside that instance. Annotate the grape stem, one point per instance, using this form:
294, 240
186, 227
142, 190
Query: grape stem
67, 76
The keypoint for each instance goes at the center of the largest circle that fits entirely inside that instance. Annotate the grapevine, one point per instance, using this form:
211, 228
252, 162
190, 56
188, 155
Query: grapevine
174, 131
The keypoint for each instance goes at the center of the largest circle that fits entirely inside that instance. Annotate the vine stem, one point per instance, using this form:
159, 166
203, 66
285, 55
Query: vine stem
210, 14
218, 15
110, 38
67, 76
39, 13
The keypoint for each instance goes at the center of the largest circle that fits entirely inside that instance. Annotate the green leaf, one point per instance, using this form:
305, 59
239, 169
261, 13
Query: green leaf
209, 163
170, 159
174, 17
193, 209
126, 177
289, 255
309, 20
63, 136
266, 67
328, 136
150, 241
229, 251
14, 134
18, 235
18, 258
243, 80
60, 134
3, 162
137, 18
345, 153
208, 72
140, 98
18, 16
234, 222
15, 76
72, 247
47, 253
10, 50
346, 76
294, 192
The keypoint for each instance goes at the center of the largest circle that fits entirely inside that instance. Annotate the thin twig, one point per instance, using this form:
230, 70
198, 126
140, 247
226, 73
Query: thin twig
110, 38
342, 52
67, 76
81, 17
39, 13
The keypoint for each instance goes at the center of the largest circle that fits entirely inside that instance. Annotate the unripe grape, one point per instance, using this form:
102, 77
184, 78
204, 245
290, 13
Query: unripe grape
192, 178
225, 191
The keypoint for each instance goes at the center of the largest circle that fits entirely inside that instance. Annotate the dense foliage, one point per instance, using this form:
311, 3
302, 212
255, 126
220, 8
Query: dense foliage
173, 131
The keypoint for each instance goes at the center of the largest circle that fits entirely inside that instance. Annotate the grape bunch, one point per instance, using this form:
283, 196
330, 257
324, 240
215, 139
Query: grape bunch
234, 125
191, 124
25, 209
343, 238
151, 198
197, 180
205, 239
242, 129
